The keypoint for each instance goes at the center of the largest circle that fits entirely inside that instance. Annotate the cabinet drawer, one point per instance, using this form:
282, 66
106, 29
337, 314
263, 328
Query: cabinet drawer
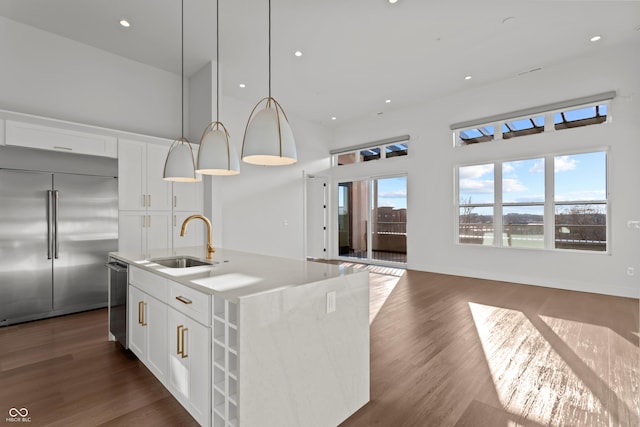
150, 283
190, 302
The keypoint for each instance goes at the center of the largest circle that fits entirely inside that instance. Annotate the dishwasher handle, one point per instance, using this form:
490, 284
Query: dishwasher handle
116, 266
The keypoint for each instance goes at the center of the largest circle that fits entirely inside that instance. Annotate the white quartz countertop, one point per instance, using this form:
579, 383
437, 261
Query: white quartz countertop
235, 274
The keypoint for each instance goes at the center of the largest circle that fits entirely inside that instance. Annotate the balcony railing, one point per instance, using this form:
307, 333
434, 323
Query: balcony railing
567, 236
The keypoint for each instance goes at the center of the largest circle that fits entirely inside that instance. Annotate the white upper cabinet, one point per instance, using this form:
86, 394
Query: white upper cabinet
23, 134
132, 173
187, 196
158, 189
140, 167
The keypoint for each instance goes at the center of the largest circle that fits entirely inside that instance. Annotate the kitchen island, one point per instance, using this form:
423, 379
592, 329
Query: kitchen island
251, 340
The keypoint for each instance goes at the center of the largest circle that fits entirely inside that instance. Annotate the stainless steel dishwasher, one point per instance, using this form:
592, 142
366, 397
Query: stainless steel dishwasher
118, 279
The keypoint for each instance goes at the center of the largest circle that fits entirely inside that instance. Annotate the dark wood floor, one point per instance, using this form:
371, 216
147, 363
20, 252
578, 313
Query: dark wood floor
445, 351
454, 351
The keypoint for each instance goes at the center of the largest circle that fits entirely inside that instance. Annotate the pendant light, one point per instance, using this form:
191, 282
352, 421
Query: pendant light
216, 155
268, 139
180, 165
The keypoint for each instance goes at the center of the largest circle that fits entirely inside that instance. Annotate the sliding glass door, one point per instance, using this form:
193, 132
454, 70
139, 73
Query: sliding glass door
352, 219
372, 220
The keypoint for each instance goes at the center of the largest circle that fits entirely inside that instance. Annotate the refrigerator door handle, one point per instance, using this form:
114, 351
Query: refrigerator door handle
55, 223
49, 222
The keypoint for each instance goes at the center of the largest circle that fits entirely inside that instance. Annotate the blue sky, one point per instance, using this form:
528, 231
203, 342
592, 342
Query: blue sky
393, 192
577, 177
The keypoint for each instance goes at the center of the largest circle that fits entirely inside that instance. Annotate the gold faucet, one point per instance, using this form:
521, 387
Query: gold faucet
183, 230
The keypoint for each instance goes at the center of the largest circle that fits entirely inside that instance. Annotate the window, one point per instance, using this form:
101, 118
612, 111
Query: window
522, 127
396, 150
580, 201
523, 203
512, 197
586, 116
380, 150
475, 135
370, 154
585, 111
346, 158
476, 195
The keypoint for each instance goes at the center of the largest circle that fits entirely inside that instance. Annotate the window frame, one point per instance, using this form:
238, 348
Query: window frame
549, 202
549, 124
381, 154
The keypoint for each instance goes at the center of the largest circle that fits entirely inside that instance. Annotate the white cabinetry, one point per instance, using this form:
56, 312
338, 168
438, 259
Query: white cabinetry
190, 358
187, 196
151, 209
24, 134
188, 200
144, 197
169, 331
225, 375
147, 331
140, 167
189, 365
140, 232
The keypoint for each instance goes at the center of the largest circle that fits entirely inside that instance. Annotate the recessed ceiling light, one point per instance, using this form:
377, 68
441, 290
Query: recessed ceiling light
242, 85
467, 77
595, 38
125, 23
297, 53
393, 1
388, 101
334, 118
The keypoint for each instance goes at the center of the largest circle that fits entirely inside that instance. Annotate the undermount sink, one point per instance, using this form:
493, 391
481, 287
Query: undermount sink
181, 262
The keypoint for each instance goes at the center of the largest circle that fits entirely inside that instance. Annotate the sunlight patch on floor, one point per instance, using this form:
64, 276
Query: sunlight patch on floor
532, 380
380, 289
613, 360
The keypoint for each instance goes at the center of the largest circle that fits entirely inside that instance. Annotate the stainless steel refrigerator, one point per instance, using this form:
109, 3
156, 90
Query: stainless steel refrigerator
55, 232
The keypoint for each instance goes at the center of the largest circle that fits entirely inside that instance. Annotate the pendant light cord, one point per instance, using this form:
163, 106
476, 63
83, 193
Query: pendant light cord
217, 61
269, 48
182, 68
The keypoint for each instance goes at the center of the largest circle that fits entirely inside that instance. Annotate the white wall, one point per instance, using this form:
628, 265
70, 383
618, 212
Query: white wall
432, 160
262, 209
51, 76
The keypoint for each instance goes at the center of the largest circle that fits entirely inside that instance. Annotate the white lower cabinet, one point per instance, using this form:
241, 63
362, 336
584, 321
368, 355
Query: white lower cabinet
190, 365
148, 331
165, 336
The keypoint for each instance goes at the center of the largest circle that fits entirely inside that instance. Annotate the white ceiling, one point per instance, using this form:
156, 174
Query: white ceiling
356, 53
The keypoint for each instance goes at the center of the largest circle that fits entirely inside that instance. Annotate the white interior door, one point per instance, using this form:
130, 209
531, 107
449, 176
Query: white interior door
316, 218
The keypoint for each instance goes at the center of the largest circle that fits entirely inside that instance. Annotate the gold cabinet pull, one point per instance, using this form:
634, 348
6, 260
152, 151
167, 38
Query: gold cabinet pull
149, 201
178, 343
141, 319
144, 201
183, 299
184, 348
